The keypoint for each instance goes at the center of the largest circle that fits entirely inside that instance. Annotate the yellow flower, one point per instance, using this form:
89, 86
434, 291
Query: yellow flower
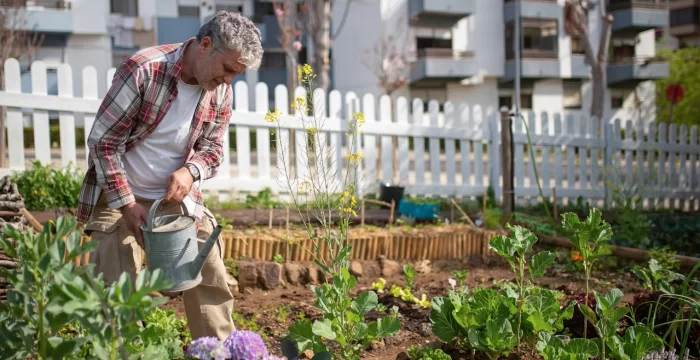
306, 69
312, 130
272, 116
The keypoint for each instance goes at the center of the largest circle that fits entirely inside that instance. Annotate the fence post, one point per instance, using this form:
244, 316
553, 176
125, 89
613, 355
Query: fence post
609, 144
506, 162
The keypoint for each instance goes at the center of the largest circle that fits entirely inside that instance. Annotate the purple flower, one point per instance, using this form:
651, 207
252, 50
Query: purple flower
246, 345
209, 348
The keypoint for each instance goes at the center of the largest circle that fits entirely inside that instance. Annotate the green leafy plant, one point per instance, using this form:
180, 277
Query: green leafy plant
460, 280
657, 277
665, 257
343, 320
44, 187
637, 341
278, 259
426, 353
410, 273
48, 293
262, 200
589, 238
378, 285
553, 347
515, 249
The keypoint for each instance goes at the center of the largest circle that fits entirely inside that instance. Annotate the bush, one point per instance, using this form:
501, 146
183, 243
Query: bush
44, 187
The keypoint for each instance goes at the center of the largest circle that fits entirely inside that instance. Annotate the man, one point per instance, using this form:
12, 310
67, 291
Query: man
158, 132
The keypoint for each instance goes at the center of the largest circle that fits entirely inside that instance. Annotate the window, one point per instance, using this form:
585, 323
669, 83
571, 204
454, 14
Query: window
229, 8
526, 101
124, 7
273, 61
617, 102
188, 11
687, 16
505, 100
572, 95
261, 9
536, 36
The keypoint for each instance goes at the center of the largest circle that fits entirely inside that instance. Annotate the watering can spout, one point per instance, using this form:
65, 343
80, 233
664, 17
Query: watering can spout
198, 262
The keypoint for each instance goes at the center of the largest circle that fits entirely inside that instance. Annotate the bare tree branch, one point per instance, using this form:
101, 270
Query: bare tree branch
343, 18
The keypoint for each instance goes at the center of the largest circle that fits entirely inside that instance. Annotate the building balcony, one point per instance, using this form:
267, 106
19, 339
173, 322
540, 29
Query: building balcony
534, 65
684, 19
634, 16
439, 13
532, 9
436, 67
46, 16
630, 71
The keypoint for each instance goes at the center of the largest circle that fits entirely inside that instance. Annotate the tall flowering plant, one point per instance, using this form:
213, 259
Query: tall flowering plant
329, 192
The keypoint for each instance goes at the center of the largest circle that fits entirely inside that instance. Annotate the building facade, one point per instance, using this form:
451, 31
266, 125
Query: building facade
462, 51
684, 22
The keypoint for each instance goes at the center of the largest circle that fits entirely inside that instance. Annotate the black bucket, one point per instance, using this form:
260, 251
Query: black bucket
388, 193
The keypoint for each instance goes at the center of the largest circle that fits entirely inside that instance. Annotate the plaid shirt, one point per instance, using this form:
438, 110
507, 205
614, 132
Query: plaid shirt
143, 88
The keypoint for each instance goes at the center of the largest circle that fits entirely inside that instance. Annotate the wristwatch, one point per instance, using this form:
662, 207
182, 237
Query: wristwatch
194, 171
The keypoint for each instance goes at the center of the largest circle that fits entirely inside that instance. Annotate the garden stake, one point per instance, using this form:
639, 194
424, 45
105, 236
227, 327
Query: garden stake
391, 214
454, 204
270, 222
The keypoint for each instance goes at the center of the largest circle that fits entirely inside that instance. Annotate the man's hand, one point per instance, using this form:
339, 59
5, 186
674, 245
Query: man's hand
179, 185
134, 215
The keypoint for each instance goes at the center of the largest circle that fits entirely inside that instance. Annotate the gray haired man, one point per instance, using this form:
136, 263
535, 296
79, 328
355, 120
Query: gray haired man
158, 131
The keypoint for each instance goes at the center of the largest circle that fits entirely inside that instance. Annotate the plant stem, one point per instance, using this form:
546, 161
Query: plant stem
537, 177
585, 300
40, 294
521, 298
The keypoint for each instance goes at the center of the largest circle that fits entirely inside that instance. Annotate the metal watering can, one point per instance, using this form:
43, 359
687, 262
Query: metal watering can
171, 244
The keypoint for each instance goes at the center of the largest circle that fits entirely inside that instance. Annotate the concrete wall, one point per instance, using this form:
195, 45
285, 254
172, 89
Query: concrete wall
90, 16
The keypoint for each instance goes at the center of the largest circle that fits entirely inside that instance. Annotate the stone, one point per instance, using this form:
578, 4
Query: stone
377, 344
356, 268
247, 275
423, 267
311, 275
269, 275
307, 354
390, 268
403, 356
371, 270
293, 273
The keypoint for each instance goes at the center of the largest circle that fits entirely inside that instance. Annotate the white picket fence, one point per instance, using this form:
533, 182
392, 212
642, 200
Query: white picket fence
452, 153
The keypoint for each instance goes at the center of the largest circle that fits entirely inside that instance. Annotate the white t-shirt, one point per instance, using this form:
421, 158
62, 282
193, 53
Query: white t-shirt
149, 164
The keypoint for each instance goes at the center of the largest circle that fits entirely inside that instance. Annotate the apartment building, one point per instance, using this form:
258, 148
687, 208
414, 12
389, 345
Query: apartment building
684, 22
462, 51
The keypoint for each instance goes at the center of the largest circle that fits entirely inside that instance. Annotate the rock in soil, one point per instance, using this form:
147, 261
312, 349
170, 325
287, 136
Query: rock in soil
293, 273
371, 270
269, 274
356, 268
390, 267
247, 275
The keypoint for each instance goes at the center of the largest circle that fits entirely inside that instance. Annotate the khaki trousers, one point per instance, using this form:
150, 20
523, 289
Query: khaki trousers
208, 306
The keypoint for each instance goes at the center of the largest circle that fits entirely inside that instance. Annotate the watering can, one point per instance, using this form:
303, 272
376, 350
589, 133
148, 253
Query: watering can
171, 244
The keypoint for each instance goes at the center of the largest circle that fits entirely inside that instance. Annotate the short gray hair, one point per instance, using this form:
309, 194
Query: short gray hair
229, 30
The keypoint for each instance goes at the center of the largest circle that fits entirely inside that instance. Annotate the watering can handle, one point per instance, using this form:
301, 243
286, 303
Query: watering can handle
154, 208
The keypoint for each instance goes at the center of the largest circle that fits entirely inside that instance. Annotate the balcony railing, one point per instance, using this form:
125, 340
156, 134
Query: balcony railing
683, 4
614, 5
636, 60
443, 53
48, 4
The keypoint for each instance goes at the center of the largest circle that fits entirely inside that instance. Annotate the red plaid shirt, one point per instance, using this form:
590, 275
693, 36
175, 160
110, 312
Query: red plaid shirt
143, 88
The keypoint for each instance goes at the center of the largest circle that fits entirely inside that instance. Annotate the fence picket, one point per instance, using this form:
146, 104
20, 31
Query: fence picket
387, 159
66, 119
559, 140
242, 132
262, 133
15, 123
370, 146
418, 143
336, 118
465, 145
89, 93
42, 137
546, 155
450, 151
282, 146
402, 118
478, 126
434, 144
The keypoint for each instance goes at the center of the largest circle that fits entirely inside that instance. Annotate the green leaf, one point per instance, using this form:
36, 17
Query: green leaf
64, 348
383, 327
582, 346
610, 300
365, 302
443, 323
503, 246
302, 334
639, 341
524, 239
324, 329
588, 313
322, 356
540, 262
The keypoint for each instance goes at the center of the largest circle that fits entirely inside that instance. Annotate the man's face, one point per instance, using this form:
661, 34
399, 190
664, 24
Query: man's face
216, 66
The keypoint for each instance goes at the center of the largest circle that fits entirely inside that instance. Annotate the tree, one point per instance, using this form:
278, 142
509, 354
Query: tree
15, 42
389, 60
311, 17
290, 36
685, 70
576, 24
